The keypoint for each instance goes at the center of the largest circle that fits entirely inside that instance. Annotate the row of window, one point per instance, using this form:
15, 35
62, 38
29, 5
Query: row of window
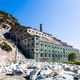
42, 34
49, 46
45, 49
49, 51
28, 45
52, 55
29, 39
52, 51
28, 50
53, 47
40, 49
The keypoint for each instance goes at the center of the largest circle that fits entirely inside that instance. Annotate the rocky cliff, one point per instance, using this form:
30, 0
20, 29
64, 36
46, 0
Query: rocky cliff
8, 49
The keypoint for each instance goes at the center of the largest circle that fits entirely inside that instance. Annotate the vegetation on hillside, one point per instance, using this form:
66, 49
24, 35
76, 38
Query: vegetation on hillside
8, 18
5, 47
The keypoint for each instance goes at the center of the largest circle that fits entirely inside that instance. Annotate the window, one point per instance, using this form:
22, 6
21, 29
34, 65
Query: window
29, 30
41, 44
36, 38
45, 45
28, 39
52, 55
32, 44
37, 44
49, 45
61, 48
39, 33
33, 31
41, 50
25, 40
45, 50
49, 50
52, 51
49, 55
28, 45
32, 49
32, 38
45, 55
56, 47
36, 49
36, 32
41, 55
28, 49
55, 55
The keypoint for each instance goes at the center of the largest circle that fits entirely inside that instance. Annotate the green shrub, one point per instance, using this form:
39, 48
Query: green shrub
77, 63
72, 57
6, 47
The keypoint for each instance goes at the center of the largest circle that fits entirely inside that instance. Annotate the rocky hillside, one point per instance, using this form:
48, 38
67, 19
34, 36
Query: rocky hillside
8, 19
8, 50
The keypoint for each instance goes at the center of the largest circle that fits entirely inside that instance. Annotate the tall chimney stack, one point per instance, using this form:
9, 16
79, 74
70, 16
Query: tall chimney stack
41, 27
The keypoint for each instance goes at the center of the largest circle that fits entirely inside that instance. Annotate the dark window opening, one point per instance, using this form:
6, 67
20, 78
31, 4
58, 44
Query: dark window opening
41, 55
41, 44
36, 43
36, 38
28, 45
49, 55
28, 49
45, 55
36, 49
28, 39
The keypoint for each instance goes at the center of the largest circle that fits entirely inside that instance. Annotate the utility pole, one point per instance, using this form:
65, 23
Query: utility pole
16, 52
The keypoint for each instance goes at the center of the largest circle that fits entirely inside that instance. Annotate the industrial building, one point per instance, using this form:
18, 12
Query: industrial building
42, 46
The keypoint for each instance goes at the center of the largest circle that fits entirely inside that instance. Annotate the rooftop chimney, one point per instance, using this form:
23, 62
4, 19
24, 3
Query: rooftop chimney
41, 27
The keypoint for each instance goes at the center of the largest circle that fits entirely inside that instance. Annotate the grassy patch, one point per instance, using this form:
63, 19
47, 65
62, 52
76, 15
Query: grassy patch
76, 63
6, 47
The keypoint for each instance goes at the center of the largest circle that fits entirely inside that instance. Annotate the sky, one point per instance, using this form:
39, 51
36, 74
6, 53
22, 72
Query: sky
61, 18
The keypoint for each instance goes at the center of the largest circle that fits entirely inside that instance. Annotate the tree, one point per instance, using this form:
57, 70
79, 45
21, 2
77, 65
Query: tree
72, 57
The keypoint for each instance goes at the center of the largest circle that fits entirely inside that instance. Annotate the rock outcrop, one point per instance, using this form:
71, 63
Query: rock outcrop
8, 49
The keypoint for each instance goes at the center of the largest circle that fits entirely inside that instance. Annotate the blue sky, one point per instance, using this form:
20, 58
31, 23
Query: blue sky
61, 18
